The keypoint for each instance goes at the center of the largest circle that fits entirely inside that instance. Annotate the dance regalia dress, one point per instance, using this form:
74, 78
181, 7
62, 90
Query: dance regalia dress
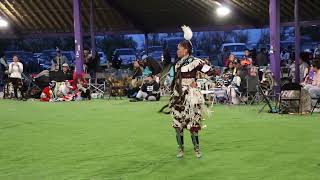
186, 101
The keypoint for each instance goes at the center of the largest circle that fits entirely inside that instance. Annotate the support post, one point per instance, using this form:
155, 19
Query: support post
78, 37
92, 34
274, 19
297, 41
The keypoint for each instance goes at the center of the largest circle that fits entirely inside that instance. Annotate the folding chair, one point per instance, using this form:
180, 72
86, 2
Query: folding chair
247, 92
285, 72
204, 85
252, 91
30, 84
316, 105
267, 100
239, 95
97, 84
285, 100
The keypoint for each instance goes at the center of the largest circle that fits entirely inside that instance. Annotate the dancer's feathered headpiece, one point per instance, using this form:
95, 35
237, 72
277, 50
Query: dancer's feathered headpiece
187, 32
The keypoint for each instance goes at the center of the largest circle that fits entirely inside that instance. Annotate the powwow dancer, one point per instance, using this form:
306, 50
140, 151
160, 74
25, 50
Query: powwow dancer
186, 102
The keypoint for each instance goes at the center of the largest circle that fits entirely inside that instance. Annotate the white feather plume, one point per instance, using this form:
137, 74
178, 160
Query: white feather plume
187, 32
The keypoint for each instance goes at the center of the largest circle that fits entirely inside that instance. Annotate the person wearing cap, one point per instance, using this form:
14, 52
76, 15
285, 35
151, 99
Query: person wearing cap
67, 72
58, 61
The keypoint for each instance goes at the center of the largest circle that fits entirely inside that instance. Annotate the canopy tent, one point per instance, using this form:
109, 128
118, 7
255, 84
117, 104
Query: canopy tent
79, 17
48, 17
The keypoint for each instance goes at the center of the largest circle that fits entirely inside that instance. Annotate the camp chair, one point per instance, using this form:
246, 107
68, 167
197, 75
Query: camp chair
251, 90
285, 102
97, 84
30, 85
316, 105
285, 72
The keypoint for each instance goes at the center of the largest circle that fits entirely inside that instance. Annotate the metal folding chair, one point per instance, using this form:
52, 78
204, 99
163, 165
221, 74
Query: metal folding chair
97, 84
316, 105
285, 89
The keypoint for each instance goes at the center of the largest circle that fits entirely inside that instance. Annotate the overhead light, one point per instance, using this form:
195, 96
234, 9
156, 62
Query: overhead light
3, 23
223, 11
313, 25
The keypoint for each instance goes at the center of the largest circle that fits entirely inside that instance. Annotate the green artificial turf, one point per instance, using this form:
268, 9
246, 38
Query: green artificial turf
116, 139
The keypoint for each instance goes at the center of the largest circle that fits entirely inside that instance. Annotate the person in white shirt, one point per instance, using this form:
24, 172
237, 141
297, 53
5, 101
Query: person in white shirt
15, 74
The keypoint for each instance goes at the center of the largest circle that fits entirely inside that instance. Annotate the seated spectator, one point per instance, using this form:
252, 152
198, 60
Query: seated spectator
229, 73
314, 87
135, 80
233, 88
47, 94
246, 60
137, 70
58, 61
309, 78
231, 58
67, 72
231, 69
149, 91
83, 92
267, 81
64, 92
304, 67
153, 65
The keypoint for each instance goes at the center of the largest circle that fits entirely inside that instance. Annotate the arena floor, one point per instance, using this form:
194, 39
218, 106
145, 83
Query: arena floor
120, 140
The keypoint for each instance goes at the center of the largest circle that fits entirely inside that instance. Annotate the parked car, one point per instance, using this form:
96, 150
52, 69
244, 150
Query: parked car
125, 55
31, 64
23, 56
151, 49
103, 58
237, 49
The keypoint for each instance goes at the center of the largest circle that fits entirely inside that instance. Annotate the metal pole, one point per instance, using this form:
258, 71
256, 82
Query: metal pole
93, 41
297, 41
78, 37
274, 19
